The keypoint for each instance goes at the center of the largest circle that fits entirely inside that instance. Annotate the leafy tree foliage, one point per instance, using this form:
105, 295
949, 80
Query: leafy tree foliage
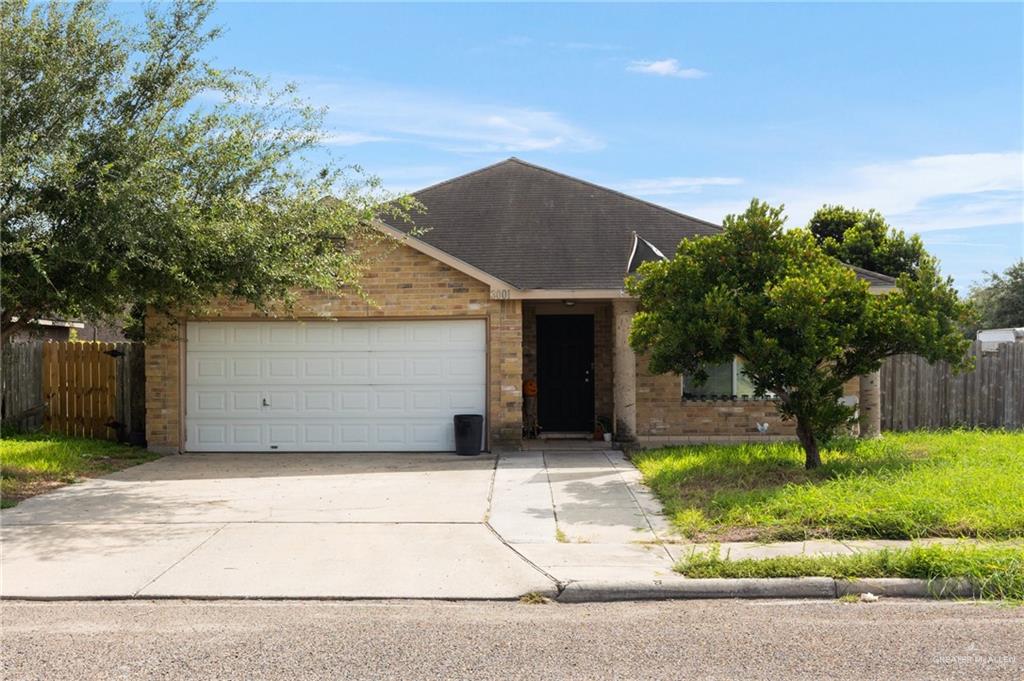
134, 173
1000, 299
865, 239
800, 320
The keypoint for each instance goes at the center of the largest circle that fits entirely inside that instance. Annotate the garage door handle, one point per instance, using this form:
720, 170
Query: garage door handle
265, 402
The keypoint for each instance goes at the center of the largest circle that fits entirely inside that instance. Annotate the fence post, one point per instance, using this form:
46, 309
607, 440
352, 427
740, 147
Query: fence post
870, 405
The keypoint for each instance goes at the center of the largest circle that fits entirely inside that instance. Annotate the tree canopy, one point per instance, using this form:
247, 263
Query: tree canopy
1000, 299
135, 173
801, 321
865, 239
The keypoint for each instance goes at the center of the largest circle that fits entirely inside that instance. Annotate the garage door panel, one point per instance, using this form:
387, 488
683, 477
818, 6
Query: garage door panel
389, 402
318, 368
355, 436
210, 434
286, 335
332, 386
251, 335
210, 402
319, 336
244, 402
209, 369
388, 368
246, 368
355, 336
318, 401
354, 368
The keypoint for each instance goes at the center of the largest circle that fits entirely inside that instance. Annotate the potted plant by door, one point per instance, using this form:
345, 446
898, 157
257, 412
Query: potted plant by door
602, 429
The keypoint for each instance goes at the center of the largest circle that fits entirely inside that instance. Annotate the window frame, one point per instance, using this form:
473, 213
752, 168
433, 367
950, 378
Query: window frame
736, 369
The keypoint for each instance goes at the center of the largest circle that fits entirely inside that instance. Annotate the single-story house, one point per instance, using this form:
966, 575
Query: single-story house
516, 282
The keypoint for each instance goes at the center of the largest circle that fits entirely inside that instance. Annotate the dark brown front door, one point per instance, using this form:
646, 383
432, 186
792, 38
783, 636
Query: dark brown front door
565, 372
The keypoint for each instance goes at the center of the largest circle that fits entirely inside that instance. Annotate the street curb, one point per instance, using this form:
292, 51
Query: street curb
595, 591
907, 588
787, 587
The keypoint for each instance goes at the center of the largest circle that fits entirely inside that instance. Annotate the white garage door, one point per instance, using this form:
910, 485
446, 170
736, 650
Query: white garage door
331, 386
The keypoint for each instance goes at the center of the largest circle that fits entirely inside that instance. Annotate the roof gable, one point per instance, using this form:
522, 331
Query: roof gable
539, 229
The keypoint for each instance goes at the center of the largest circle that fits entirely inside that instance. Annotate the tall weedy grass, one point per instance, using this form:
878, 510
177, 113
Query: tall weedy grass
995, 571
901, 486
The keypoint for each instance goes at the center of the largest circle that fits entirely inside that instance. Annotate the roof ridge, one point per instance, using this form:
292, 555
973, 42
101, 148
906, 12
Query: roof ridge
463, 176
603, 188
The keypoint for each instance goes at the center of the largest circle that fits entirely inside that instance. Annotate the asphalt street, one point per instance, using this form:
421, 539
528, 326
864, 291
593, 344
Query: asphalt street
889, 639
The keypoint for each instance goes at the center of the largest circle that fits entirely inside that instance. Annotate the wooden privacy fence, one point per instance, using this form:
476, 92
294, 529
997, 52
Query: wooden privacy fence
916, 394
22, 366
86, 389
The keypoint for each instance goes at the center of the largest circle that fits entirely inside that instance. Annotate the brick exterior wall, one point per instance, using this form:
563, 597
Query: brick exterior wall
603, 404
401, 282
663, 416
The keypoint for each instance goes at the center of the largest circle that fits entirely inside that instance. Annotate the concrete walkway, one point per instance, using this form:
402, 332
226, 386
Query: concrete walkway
352, 526
580, 515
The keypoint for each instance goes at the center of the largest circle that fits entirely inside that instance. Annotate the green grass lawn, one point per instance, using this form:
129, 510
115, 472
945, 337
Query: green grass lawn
32, 464
901, 486
996, 571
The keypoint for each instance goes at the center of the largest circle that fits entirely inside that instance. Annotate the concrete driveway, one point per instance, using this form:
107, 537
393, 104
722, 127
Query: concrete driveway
336, 526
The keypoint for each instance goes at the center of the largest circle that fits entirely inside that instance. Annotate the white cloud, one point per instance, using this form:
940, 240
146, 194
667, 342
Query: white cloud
350, 138
950, 191
665, 67
927, 193
452, 124
663, 186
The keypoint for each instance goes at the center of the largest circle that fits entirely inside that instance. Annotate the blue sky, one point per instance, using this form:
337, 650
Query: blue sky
916, 110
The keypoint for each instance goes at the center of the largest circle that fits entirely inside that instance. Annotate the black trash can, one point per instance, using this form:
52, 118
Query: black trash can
469, 431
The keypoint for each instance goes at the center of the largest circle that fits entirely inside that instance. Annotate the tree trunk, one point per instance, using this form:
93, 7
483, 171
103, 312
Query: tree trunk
809, 443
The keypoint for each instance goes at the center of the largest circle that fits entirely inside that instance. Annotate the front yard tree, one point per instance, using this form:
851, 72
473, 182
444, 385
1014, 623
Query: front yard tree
134, 173
865, 239
802, 322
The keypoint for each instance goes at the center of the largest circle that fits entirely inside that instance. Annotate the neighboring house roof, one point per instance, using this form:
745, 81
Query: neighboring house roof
874, 278
535, 228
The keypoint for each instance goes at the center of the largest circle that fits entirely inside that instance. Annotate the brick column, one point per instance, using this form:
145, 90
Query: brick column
163, 385
623, 370
506, 375
870, 405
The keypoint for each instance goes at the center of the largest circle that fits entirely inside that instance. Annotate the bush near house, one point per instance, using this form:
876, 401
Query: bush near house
900, 486
36, 463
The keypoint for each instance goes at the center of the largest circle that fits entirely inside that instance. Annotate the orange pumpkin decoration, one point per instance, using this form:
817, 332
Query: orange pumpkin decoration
530, 388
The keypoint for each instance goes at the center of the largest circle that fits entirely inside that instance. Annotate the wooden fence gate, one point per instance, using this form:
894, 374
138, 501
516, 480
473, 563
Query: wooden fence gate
85, 389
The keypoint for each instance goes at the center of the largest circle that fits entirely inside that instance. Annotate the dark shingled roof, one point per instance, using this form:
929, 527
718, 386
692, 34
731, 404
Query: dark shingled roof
538, 229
